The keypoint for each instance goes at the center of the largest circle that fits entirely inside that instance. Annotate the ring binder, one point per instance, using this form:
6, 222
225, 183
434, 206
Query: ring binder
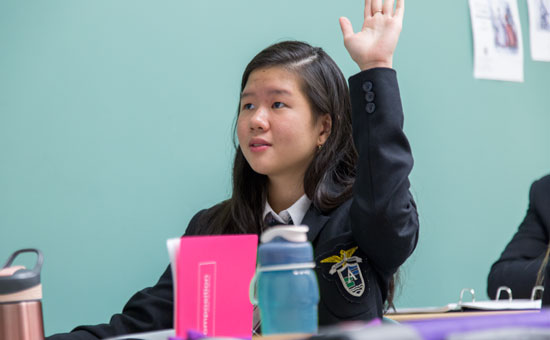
508, 290
469, 290
509, 304
534, 292
504, 289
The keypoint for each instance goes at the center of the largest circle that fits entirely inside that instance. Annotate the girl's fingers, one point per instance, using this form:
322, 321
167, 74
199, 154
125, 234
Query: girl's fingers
400, 8
345, 25
376, 6
388, 7
368, 9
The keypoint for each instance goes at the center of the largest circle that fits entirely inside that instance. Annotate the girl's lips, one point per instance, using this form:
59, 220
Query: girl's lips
257, 145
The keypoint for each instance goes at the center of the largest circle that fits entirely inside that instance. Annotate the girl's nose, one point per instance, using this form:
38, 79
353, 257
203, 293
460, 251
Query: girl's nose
259, 120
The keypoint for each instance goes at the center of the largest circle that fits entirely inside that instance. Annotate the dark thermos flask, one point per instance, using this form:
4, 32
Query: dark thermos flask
20, 300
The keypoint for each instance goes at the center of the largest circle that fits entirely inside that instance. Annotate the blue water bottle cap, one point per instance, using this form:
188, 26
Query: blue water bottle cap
282, 245
297, 233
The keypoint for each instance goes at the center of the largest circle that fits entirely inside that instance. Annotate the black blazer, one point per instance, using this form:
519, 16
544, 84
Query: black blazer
377, 229
520, 261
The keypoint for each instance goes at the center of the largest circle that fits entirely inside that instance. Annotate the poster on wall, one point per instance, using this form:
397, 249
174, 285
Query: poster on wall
539, 29
498, 46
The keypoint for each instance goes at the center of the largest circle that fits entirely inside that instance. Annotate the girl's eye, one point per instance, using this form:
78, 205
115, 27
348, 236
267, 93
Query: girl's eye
278, 105
248, 106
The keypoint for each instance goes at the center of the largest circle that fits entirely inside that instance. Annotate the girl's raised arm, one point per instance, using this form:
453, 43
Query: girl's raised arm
374, 44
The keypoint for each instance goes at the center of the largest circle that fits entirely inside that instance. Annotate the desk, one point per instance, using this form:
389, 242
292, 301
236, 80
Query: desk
164, 334
294, 336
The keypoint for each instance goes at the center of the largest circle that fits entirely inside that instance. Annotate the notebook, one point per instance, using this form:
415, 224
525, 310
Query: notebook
213, 275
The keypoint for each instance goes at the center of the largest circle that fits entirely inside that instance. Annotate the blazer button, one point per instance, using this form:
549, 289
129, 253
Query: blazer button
369, 96
370, 107
367, 86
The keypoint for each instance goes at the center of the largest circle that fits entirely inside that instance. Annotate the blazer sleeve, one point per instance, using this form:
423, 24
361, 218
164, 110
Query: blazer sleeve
147, 310
383, 214
520, 261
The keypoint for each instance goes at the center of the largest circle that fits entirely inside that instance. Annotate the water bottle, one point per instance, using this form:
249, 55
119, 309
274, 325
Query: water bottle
287, 288
20, 295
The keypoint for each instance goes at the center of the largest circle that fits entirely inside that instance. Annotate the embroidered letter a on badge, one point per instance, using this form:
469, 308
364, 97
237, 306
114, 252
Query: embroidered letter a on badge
348, 270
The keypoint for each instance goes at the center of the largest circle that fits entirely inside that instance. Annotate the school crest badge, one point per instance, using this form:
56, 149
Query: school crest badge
347, 267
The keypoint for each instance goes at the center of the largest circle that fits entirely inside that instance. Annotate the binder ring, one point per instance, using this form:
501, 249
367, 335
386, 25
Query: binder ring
504, 289
534, 292
467, 290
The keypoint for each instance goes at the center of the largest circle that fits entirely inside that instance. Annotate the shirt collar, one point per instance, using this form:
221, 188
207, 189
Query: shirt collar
297, 211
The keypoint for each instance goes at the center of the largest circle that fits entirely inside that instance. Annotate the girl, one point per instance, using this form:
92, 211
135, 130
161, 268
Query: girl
523, 262
299, 160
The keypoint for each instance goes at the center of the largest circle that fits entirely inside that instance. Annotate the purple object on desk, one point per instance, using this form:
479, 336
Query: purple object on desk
439, 329
194, 335
374, 322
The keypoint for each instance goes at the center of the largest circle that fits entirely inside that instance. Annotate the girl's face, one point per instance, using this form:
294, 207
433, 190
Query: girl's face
277, 133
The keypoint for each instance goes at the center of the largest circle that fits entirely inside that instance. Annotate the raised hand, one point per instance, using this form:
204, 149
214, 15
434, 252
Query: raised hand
373, 46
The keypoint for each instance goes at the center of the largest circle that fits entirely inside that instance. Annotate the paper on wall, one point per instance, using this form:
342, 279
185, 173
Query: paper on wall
498, 45
539, 29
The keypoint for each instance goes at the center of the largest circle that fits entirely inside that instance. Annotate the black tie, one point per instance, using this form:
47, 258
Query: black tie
270, 221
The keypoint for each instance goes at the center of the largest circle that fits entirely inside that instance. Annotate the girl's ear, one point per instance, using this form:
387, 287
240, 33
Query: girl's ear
326, 128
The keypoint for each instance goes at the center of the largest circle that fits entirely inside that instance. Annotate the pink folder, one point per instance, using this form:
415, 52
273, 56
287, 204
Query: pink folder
213, 279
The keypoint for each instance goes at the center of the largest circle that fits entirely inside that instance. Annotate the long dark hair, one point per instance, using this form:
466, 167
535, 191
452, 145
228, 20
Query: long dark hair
542, 269
329, 179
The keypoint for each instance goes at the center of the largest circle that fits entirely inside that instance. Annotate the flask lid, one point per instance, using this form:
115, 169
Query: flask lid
285, 245
21, 279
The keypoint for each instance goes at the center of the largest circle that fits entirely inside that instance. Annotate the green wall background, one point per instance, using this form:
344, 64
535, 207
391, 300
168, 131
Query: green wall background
115, 128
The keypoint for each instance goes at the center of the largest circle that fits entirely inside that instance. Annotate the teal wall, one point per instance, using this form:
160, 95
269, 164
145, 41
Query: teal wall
115, 128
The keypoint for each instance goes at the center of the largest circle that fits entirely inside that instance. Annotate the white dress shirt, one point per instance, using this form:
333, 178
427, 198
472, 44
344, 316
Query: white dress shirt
296, 212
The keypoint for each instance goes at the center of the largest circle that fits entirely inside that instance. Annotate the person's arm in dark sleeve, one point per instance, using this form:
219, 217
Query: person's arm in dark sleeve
520, 261
150, 309
383, 214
